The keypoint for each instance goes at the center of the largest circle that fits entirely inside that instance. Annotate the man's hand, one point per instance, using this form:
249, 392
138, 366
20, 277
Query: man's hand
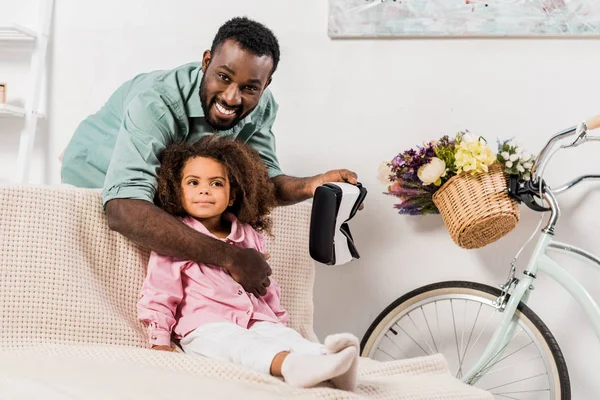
250, 269
163, 348
336, 175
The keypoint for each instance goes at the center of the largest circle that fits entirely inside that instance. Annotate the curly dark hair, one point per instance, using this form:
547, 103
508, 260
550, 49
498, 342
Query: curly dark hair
251, 36
248, 178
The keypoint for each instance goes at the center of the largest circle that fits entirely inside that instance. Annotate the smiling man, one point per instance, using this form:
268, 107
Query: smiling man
119, 147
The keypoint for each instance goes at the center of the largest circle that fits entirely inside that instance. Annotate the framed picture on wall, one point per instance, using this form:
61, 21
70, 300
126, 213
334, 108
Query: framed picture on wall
410, 18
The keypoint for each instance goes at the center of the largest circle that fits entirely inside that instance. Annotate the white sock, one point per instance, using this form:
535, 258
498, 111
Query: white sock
309, 370
339, 342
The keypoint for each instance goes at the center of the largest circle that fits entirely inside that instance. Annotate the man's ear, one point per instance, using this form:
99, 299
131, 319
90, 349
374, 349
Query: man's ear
205, 60
268, 82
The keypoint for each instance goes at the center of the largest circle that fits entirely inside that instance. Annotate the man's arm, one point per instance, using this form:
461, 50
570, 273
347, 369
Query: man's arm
150, 227
290, 190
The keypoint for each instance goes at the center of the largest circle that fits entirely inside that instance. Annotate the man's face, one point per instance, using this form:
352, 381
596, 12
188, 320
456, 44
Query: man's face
233, 81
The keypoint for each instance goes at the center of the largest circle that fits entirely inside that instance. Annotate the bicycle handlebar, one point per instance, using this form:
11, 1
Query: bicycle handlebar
548, 151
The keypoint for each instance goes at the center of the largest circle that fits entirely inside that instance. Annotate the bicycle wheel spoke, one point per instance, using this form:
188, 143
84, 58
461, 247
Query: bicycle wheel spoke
517, 381
420, 333
411, 338
470, 335
493, 360
487, 365
520, 363
429, 329
462, 331
459, 371
511, 354
405, 355
483, 329
386, 353
506, 397
437, 317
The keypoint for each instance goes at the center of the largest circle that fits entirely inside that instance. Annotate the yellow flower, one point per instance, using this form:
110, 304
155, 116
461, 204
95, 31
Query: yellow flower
474, 156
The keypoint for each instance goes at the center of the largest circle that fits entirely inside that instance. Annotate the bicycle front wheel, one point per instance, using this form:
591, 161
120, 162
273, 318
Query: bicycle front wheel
458, 319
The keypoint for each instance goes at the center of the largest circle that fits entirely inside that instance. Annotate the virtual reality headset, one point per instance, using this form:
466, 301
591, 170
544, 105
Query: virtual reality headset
334, 204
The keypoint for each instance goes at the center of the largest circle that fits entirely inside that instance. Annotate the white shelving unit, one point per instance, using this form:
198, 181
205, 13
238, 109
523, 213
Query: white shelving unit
16, 32
6, 110
37, 70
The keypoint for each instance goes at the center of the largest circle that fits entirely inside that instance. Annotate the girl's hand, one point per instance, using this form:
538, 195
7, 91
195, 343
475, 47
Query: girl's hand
163, 348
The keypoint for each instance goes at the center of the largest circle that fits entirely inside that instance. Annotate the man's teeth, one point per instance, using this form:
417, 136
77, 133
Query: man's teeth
223, 110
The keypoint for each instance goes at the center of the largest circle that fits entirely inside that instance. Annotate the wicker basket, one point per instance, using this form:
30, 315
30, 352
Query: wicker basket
476, 208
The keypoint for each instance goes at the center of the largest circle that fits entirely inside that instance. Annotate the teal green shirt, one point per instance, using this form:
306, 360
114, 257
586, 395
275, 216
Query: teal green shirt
118, 148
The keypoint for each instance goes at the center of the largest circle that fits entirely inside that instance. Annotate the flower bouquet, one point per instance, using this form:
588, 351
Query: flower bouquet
462, 179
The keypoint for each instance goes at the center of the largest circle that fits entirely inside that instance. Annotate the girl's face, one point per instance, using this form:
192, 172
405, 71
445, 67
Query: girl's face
205, 188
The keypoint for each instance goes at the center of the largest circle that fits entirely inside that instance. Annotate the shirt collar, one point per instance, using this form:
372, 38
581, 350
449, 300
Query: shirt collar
237, 234
193, 104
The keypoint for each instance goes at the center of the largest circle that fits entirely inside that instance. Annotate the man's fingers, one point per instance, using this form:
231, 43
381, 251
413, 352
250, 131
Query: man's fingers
351, 177
267, 282
267, 255
345, 175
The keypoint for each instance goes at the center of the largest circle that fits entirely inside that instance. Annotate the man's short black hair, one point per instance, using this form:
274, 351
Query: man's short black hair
251, 36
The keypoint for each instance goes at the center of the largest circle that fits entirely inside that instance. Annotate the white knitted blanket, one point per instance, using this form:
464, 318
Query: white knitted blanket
68, 290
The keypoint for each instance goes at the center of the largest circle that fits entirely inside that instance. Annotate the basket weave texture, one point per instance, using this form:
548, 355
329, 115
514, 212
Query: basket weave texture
476, 208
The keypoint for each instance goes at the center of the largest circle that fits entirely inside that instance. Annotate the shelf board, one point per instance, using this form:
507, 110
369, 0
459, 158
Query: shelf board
17, 32
6, 110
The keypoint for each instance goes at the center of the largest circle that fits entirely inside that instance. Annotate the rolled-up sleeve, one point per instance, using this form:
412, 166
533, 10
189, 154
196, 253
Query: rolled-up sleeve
148, 127
161, 294
263, 140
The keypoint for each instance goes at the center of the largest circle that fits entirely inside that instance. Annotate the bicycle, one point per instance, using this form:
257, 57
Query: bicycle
509, 333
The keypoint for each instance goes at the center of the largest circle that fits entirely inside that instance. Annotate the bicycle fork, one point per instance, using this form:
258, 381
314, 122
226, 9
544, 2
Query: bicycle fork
504, 334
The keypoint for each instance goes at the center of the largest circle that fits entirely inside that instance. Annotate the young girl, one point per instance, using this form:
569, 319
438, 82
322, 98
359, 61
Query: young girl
221, 188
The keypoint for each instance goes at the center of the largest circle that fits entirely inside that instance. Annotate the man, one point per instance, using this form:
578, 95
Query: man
119, 147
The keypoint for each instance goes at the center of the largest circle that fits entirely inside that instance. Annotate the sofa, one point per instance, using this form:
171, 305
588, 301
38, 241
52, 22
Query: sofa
68, 292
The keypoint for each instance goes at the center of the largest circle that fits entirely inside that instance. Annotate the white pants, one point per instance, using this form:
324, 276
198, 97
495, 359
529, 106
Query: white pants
254, 348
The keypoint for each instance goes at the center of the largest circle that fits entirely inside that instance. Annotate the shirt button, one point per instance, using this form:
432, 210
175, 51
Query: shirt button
239, 292
153, 338
248, 312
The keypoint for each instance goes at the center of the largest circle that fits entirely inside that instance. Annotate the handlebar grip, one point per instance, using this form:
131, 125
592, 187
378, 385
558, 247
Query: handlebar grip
593, 123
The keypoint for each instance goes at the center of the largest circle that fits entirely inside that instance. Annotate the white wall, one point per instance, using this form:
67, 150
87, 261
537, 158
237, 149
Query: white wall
353, 104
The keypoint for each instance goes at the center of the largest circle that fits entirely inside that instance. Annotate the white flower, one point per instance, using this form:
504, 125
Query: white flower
513, 157
525, 156
383, 173
469, 137
505, 155
520, 168
432, 172
528, 165
509, 164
